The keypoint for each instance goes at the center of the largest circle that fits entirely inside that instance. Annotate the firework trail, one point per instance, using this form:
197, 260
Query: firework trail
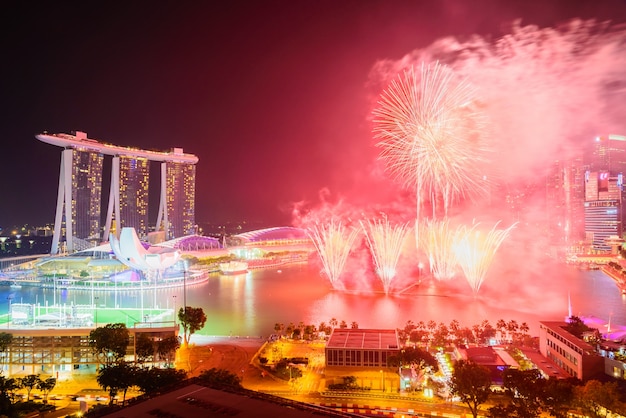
438, 240
333, 242
430, 131
475, 252
385, 242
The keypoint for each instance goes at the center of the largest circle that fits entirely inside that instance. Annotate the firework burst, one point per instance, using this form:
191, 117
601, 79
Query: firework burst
438, 240
333, 242
475, 252
385, 242
430, 131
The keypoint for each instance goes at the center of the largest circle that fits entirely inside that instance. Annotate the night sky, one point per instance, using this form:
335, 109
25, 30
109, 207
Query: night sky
273, 97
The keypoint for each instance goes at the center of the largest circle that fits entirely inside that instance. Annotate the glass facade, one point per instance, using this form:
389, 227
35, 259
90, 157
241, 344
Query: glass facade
86, 194
134, 182
180, 198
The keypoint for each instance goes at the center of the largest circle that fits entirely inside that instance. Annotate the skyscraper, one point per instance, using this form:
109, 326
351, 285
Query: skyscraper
80, 186
176, 211
609, 154
604, 190
604, 208
130, 178
78, 199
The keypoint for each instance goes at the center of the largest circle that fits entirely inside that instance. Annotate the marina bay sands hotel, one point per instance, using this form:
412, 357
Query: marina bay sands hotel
79, 201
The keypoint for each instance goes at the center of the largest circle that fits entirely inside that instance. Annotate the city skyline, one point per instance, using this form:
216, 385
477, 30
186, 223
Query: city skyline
275, 99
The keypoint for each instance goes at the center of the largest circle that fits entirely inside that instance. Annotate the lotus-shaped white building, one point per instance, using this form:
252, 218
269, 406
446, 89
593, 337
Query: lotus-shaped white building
131, 252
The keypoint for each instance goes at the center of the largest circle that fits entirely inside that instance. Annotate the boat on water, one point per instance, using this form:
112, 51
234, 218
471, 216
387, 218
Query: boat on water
234, 267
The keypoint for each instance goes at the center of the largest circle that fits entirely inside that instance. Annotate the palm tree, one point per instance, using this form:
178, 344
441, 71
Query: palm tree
454, 328
501, 327
278, 327
512, 328
333, 323
354, 325
431, 326
524, 329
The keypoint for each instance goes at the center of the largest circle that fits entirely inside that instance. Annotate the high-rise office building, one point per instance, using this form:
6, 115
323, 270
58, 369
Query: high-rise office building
179, 190
80, 185
604, 208
609, 154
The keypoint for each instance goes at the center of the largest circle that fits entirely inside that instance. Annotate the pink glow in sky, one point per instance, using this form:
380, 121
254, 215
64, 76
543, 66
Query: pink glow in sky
546, 92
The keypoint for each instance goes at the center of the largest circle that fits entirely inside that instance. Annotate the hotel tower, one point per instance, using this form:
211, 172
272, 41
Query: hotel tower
79, 202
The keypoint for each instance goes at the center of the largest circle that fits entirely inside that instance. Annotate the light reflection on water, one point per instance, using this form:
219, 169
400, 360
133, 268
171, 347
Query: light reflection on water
250, 304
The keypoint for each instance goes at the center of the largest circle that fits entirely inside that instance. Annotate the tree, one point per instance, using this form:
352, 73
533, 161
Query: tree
10, 386
116, 377
144, 348
471, 382
333, 323
512, 327
46, 386
7, 388
413, 356
441, 335
192, 320
525, 388
29, 383
219, 378
110, 343
557, 396
166, 347
154, 379
309, 330
595, 396
501, 327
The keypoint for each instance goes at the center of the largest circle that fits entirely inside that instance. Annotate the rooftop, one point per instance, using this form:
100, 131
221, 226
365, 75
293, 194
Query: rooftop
377, 339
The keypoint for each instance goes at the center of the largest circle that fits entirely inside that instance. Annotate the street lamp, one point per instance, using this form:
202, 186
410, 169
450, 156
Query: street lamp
9, 301
185, 287
174, 297
96, 299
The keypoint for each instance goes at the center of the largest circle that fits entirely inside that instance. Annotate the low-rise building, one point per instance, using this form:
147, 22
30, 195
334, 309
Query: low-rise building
576, 357
361, 347
55, 351
363, 353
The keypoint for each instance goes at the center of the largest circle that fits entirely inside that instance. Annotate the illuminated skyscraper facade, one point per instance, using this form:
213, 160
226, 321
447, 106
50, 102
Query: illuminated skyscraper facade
79, 203
609, 154
180, 191
604, 208
604, 190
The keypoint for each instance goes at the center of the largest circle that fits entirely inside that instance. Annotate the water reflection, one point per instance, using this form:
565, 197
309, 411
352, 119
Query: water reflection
250, 304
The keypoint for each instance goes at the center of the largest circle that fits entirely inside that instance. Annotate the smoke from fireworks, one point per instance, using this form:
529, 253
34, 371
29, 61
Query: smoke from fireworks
385, 242
533, 83
475, 251
430, 131
333, 242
